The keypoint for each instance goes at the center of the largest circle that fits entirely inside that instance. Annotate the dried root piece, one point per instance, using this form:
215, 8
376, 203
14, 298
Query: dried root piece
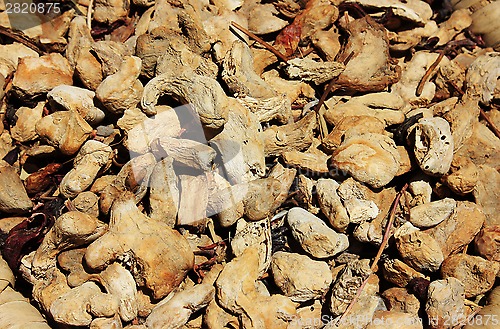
122, 90
130, 239
482, 76
65, 130
175, 312
77, 99
445, 301
239, 75
331, 205
295, 136
237, 293
369, 158
489, 310
193, 188
315, 237
164, 192
203, 93
24, 129
13, 196
72, 229
109, 11
370, 67
432, 213
487, 243
77, 306
433, 146
476, 274
300, 277
307, 69
91, 158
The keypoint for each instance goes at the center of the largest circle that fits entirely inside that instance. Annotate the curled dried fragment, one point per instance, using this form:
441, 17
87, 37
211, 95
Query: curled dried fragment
130, 238
203, 93
91, 158
433, 146
13, 196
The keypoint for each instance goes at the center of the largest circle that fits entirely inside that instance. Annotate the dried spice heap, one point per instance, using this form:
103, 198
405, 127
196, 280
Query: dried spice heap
251, 164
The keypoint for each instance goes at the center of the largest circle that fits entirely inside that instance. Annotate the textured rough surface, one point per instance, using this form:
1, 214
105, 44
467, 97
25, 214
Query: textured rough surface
300, 277
315, 237
419, 250
476, 274
432, 213
445, 301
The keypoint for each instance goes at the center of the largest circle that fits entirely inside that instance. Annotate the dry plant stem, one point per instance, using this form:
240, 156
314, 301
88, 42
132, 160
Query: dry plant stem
21, 39
89, 14
427, 74
259, 40
385, 240
492, 125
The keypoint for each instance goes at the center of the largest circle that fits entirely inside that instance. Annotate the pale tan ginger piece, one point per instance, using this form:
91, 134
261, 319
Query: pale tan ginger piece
131, 238
122, 90
111, 55
92, 157
13, 196
445, 301
48, 289
318, 15
70, 230
255, 235
487, 311
142, 131
413, 10
354, 197
292, 89
134, 177
370, 67
482, 76
306, 188
216, 317
418, 249
16, 310
433, 146
241, 145
432, 213
299, 277
484, 14
77, 306
294, 136
487, 242
106, 323
263, 196
306, 69
77, 99
24, 129
149, 47
224, 201
477, 274
462, 117
115, 279
456, 23
239, 75
193, 187
203, 93
412, 73
373, 231
311, 161
87, 67
384, 106
185, 152
327, 43
398, 273
331, 205
308, 317
178, 57
11, 53
65, 130
164, 192
464, 177
394, 320
401, 300
369, 158
352, 125
236, 293
110, 11
278, 107
486, 193
36, 76
345, 286
262, 18
459, 229
87, 202
315, 237
176, 312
